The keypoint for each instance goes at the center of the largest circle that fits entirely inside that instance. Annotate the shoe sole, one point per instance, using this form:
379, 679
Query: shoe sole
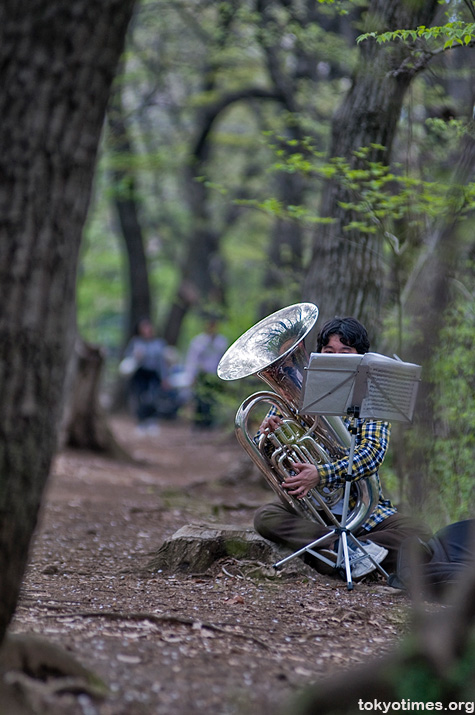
361, 569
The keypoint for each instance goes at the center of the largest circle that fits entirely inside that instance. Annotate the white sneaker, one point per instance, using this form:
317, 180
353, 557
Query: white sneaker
365, 565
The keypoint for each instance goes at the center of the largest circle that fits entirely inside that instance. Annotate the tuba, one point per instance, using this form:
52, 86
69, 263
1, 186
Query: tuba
274, 350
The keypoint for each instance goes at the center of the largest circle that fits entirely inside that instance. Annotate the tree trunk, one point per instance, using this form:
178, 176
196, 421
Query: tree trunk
85, 422
57, 62
285, 253
127, 204
346, 271
202, 281
426, 302
196, 547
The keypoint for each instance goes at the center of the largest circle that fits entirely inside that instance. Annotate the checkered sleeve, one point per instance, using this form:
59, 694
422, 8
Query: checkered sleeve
372, 442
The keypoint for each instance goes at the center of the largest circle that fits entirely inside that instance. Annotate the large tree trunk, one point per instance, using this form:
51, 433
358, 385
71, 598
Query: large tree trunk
345, 276
57, 62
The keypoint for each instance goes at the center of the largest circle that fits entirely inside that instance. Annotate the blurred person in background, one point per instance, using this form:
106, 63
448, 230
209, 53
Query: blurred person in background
174, 392
204, 353
145, 364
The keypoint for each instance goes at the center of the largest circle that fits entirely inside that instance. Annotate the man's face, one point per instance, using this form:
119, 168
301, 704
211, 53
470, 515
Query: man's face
146, 329
336, 347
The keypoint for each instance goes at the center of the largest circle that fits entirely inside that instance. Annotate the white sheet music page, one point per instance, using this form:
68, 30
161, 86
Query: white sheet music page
379, 386
391, 388
328, 384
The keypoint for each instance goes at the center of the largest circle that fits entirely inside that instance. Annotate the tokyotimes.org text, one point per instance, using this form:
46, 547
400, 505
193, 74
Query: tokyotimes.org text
406, 705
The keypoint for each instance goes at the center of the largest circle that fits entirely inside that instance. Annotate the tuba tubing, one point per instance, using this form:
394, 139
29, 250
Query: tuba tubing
304, 449
274, 350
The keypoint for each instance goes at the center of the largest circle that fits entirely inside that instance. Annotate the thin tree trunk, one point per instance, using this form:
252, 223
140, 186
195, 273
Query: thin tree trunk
126, 204
202, 281
426, 303
285, 253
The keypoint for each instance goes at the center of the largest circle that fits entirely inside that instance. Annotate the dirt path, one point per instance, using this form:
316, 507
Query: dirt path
222, 643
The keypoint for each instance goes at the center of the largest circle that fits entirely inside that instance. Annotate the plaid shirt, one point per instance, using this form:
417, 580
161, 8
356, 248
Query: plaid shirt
372, 441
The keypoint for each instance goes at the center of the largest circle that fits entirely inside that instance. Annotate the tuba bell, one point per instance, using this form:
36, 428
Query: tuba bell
274, 350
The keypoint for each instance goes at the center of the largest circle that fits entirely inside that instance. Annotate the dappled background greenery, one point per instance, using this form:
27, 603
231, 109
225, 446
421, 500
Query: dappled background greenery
226, 113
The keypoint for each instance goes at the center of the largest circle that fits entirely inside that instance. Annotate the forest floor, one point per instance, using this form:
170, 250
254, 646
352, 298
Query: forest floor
230, 641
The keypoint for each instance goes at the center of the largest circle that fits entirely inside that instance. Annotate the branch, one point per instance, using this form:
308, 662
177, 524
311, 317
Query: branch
162, 618
423, 60
470, 7
213, 111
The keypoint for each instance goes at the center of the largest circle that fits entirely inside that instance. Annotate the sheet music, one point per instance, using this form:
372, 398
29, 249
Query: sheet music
381, 387
392, 388
329, 394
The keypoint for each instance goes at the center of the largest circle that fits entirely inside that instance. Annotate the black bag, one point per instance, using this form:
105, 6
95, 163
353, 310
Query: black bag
441, 559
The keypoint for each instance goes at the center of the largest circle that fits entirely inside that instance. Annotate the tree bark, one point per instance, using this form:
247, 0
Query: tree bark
196, 547
426, 301
202, 279
346, 271
57, 62
127, 206
85, 424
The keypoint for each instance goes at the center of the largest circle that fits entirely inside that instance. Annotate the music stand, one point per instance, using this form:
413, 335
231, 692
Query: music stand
360, 386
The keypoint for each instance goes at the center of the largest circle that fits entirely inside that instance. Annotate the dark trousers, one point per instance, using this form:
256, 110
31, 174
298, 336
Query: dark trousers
144, 385
277, 523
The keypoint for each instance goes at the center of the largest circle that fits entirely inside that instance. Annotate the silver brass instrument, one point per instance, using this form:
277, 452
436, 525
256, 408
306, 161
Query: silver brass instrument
274, 350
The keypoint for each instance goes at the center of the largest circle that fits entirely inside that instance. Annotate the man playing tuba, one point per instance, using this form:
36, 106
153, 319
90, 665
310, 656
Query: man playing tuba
384, 529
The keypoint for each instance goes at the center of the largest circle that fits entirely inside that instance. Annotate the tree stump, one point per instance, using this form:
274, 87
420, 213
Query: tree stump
196, 547
85, 424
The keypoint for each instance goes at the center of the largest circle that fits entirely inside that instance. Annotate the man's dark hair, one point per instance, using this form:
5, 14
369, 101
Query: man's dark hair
350, 331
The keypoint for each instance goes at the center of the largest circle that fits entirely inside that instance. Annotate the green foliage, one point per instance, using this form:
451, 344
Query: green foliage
453, 371
415, 680
342, 7
100, 284
184, 56
379, 196
451, 34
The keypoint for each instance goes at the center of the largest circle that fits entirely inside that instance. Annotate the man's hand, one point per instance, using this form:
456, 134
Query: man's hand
270, 424
306, 477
